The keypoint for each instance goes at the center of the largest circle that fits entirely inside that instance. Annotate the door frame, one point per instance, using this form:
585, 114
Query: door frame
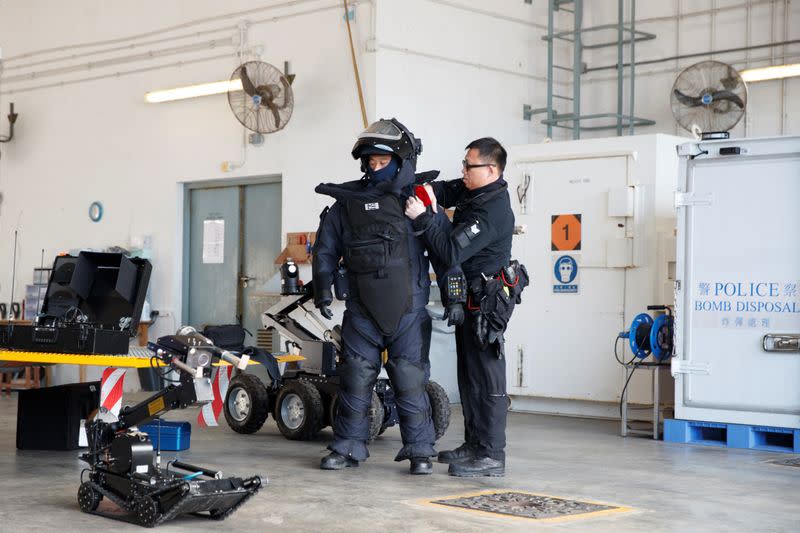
185, 190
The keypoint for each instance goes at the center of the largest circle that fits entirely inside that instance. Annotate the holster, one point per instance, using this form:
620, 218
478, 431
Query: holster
493, 300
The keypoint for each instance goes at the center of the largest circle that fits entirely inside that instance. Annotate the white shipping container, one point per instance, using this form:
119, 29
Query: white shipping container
738, 294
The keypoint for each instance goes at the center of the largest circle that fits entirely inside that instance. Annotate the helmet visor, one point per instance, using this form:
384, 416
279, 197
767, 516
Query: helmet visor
382, 129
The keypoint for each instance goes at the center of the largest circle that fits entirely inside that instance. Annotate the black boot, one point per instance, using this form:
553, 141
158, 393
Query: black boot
337, 461
478, 466
461, 453
421, 466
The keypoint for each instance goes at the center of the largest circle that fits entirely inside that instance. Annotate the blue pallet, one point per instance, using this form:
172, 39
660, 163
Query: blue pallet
765, 438
175, 436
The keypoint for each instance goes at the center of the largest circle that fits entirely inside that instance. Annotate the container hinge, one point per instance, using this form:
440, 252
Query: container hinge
681, 366
688, 199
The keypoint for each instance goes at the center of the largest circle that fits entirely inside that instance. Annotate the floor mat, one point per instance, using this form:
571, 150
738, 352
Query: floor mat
527, 505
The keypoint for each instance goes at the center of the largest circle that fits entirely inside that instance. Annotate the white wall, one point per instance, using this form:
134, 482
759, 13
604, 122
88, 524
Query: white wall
473, 65
457, 71
697, 26
98, 140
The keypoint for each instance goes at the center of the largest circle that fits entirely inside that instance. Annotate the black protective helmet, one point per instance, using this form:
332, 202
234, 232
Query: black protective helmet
387, 137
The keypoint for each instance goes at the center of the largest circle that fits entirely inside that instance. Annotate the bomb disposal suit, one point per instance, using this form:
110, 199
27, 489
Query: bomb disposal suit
387, 289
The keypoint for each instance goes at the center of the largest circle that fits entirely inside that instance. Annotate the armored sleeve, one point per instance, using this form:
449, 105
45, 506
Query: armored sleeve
327, 252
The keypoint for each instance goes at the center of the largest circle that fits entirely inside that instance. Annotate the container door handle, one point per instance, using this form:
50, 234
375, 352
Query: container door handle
781, 342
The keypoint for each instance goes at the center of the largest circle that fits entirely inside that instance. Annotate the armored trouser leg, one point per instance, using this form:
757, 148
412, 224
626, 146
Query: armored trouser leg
357, 374
482, 385
408, 371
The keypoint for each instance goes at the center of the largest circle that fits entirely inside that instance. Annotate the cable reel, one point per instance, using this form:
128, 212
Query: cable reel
639, 335
647, 336
661, 339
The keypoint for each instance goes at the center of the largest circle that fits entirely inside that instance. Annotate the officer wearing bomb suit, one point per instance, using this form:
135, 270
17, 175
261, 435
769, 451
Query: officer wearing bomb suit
480, 241
388, 288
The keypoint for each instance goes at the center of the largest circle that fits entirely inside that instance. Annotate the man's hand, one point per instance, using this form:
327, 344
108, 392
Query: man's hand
414, 207
431, 195
454, 314
324, 310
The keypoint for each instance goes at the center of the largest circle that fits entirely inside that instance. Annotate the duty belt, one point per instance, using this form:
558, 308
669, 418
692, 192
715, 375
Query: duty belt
492, 299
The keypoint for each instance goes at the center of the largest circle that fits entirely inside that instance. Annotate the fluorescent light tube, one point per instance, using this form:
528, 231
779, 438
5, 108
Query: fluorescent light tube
193, 91
771, 73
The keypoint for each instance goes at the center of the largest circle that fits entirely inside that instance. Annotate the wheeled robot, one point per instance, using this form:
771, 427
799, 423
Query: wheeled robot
123, 465
303, 398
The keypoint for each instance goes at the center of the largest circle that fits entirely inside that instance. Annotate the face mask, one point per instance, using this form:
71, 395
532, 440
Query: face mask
386, 173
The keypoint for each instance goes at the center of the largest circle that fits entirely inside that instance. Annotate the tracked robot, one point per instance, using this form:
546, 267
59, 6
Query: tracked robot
123, 465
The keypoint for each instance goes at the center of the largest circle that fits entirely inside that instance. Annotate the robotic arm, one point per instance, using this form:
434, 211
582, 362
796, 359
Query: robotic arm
191, 354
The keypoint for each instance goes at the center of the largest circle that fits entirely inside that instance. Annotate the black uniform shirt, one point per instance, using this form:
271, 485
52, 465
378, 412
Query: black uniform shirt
483, 224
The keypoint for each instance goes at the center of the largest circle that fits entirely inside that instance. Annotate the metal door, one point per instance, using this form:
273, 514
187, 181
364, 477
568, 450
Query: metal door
565, 338
739, 268
262, 244
234, 236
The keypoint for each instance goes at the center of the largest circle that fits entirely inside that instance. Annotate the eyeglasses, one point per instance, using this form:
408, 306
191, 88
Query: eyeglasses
468, 166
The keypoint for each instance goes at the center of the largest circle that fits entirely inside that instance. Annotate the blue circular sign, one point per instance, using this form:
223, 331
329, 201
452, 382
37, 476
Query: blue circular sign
566, 269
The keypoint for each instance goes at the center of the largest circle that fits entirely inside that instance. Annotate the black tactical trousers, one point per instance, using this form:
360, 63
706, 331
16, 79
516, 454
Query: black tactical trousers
482, 387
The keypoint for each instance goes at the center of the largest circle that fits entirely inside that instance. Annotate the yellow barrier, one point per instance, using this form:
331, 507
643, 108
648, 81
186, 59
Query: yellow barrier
124, 361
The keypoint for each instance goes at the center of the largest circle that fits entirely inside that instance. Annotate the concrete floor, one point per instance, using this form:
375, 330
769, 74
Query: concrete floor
669, 487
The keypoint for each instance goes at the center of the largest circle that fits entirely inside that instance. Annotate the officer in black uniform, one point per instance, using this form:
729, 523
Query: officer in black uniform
480, 241
387, 290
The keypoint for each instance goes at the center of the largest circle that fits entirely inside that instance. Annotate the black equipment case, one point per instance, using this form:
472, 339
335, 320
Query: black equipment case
92, 306
50, 418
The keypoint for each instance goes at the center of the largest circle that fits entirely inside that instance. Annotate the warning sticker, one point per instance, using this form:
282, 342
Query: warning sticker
156, 406
565, 233
566, 278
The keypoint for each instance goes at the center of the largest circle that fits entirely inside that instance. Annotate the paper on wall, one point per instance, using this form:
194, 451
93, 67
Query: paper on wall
214, 241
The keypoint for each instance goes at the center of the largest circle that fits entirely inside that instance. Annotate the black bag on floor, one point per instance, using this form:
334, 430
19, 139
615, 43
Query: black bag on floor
50, 418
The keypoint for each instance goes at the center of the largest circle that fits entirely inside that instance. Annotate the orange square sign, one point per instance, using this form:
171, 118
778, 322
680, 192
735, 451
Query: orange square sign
565, 233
